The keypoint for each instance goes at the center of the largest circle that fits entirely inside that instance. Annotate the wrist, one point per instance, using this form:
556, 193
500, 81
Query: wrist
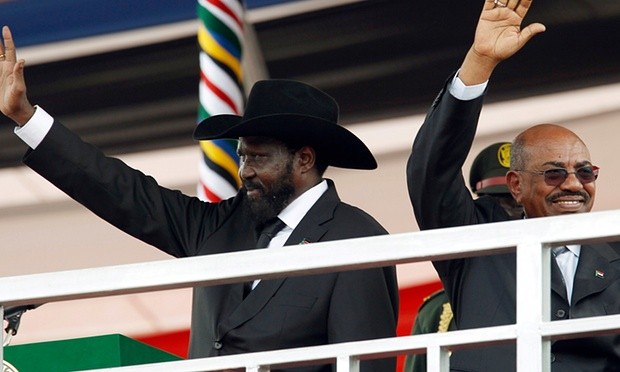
476, 69
24, 115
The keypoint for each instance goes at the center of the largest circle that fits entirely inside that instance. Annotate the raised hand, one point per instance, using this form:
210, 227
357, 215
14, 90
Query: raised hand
498, 36
13, 100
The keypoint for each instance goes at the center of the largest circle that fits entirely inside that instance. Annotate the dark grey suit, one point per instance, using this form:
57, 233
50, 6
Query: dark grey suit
482, 289
279, 313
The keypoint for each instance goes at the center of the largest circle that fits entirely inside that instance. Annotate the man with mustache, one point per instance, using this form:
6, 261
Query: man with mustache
288, 136
550, 174
487, 178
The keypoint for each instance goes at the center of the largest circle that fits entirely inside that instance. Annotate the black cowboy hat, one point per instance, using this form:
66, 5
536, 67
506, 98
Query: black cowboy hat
292, 112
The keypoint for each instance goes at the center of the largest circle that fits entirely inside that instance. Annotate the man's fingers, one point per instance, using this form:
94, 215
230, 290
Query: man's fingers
489, 4
530, 31
2, 45
9, 46
523, 7
18, 69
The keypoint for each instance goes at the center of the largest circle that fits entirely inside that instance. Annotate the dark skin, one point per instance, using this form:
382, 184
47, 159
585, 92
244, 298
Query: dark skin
269, 170
549, 146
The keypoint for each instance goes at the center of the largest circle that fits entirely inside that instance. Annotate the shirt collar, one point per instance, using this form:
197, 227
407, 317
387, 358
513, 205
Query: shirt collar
575, 249
294, 212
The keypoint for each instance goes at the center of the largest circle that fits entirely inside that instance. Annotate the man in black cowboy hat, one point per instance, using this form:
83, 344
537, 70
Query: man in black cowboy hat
287, 137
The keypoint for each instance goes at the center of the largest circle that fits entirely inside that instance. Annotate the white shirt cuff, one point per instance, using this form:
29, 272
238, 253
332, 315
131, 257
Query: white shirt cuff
466, 93
35, 130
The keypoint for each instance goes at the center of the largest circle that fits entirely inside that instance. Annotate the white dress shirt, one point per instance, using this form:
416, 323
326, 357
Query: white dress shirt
567, 260
293, 214
35, 129
465, 92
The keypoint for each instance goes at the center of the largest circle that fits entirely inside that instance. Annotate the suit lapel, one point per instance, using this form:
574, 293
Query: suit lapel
594, 271
309, 230
313, 227
250, 306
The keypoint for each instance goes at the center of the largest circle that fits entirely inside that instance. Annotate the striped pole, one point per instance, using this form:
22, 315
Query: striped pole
220, 37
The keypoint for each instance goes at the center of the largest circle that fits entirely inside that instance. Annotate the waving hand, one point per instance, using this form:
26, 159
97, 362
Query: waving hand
499, 35
13, 100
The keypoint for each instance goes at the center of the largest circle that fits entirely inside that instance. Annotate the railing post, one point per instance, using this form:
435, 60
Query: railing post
533, 301
437, 359
258, 369
545, 259
347, 363
2, 345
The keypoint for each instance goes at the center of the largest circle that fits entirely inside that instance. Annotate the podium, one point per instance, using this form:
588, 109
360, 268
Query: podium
105, 351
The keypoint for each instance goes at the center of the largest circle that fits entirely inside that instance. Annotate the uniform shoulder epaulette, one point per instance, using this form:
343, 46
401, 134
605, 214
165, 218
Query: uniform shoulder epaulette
432, 295
445, 318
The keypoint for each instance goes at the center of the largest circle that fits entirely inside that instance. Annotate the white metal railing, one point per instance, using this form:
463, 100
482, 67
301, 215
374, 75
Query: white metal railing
532, 331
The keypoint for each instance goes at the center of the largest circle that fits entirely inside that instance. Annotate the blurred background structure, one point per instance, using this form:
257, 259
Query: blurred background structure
124, 74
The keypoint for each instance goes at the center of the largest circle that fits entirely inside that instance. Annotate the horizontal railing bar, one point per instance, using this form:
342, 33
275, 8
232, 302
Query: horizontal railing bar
324, 257
370, 349
388, 347
572, 328
581, 327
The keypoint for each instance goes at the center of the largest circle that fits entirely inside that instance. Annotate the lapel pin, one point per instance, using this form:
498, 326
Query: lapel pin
599, 274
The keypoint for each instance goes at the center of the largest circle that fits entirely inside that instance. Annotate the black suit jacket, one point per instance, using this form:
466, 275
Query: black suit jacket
279, 313
482, 289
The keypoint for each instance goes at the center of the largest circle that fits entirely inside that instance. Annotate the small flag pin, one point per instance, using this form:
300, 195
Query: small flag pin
599, 274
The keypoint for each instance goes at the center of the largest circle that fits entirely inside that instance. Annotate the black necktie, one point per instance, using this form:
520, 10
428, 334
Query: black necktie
271, 228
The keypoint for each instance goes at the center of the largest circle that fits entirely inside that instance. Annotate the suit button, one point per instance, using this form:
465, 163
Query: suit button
217, 345
560, 313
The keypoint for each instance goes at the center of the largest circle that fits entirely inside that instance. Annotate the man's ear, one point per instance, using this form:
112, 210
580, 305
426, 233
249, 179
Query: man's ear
514, 185
306, 157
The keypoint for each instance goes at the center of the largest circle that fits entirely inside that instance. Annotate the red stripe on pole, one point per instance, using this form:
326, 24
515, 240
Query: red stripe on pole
211, 196
227, 10
219, 93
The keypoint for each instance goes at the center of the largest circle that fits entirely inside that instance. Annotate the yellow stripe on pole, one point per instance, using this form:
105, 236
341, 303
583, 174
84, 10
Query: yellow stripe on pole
213, 49
221, 158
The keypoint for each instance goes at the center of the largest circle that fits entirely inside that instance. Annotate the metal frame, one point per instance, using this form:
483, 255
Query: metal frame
532, 331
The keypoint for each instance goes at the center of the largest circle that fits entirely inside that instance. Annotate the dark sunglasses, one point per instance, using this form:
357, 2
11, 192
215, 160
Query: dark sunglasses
557, 176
